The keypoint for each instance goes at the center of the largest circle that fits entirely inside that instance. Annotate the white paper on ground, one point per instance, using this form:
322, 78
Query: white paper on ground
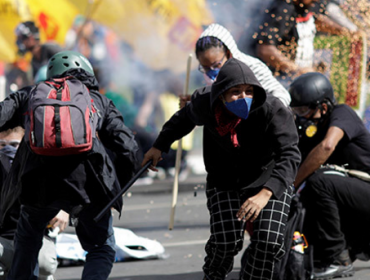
128, 246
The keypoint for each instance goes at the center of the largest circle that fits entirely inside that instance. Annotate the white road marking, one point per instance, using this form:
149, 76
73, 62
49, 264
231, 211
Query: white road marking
184, 243
162, 205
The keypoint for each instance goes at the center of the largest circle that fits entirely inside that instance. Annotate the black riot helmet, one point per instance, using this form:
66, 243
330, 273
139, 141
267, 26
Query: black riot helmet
23, 31
310, 90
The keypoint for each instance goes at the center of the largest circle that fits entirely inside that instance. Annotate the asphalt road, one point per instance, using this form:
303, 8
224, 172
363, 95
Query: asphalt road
146, 213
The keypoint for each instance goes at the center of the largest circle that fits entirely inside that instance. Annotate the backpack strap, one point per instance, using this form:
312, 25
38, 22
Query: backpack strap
58, 129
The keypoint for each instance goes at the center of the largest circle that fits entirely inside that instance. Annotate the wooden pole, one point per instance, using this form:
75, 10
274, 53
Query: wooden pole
175, 189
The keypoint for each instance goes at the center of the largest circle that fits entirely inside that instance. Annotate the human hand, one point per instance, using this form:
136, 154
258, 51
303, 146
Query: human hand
183, 100
252, 207
153, 154
60, 220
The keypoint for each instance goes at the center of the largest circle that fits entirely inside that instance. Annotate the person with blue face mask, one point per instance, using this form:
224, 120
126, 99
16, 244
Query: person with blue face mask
9, 148
250, 151
47, 261
239, 101
216, 45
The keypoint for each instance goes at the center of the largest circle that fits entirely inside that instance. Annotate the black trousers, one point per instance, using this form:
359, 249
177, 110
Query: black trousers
338, 214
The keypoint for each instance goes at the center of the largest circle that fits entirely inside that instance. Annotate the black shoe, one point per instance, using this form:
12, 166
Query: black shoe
341, 267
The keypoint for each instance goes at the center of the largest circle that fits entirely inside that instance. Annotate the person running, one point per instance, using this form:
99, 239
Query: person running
82, 183
251, 156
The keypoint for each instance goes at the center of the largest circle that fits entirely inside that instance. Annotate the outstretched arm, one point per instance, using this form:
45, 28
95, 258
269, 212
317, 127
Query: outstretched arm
13, 109
319, 155
275, 58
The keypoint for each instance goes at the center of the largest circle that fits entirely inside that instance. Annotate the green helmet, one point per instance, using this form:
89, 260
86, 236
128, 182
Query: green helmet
66, 60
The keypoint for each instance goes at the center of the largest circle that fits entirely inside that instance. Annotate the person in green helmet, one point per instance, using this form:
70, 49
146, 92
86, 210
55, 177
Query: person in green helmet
85, 182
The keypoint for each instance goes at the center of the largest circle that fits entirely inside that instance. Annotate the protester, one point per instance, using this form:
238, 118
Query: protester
338, 216
216, 45
28, 40
46, 184
251, 156
286, 36
47, 260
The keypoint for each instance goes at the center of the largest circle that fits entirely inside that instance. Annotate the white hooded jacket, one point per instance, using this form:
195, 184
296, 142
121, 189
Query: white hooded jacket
260, 70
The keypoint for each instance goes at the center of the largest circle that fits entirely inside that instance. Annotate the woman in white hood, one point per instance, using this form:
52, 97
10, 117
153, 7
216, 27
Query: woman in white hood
216, 45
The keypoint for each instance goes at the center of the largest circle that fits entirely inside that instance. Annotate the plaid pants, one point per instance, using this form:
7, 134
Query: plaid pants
227, 234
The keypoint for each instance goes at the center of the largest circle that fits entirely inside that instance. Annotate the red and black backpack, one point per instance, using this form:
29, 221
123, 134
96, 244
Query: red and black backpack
62, 118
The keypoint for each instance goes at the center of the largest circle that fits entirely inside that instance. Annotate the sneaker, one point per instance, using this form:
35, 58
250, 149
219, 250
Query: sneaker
341, 267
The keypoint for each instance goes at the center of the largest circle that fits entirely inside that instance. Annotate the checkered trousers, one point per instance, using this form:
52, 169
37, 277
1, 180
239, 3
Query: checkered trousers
227, 234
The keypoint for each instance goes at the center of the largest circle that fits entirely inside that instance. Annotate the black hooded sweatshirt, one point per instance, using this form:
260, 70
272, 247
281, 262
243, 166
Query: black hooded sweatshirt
267, 154
79, 179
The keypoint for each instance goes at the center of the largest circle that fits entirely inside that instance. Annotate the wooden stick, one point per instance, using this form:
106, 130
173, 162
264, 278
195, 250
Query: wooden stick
175, 189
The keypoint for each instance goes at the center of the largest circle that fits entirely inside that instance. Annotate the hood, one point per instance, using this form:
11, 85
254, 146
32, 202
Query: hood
86, 78
221, 33
233, 73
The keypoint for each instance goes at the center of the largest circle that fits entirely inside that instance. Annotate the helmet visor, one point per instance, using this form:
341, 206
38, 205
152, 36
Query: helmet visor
301, 110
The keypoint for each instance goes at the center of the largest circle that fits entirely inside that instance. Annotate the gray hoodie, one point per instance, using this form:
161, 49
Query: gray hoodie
260, 70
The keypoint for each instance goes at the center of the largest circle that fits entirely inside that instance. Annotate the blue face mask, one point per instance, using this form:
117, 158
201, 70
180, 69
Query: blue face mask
240, 107
9, 151
212, 74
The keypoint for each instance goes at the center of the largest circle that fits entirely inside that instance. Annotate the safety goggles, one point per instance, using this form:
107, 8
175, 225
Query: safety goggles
302, 110
216, 65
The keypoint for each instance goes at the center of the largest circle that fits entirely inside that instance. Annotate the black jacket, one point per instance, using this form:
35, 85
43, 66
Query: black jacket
10, 223
268, 154
80, 179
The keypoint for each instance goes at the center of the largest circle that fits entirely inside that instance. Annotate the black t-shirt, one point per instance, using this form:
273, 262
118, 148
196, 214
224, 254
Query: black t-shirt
284, 24
319, 7
353, 149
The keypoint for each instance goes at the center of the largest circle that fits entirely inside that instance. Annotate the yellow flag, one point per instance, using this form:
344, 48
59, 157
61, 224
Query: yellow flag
160, 32
54, 19
11, 13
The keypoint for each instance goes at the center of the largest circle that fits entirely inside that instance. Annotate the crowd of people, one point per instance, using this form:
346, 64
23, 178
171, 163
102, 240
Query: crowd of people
270, 112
